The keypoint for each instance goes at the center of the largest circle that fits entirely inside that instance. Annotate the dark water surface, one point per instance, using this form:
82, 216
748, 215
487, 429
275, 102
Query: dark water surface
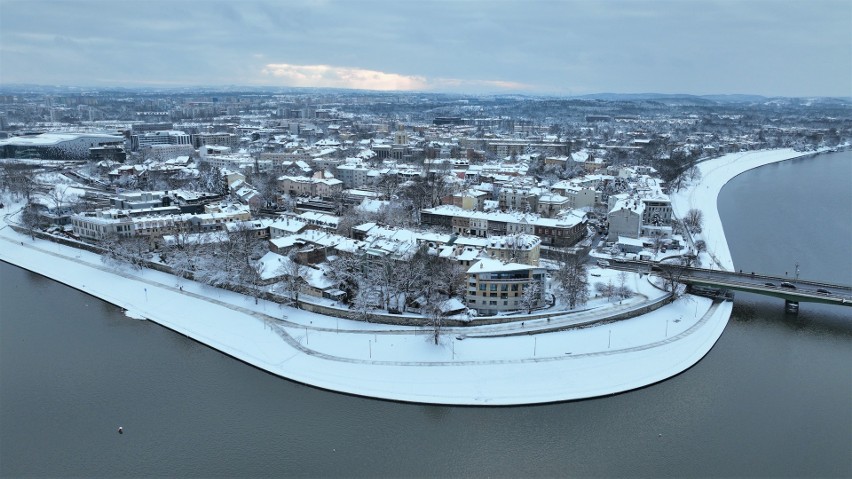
773, 397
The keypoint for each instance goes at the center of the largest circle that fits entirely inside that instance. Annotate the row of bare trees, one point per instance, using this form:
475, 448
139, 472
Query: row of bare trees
383, 282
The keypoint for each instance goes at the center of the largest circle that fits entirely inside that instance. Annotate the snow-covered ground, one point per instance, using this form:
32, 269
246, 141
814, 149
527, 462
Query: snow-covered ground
488, 365
714, 175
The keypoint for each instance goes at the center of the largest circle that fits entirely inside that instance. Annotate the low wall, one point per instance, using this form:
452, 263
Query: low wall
375, 317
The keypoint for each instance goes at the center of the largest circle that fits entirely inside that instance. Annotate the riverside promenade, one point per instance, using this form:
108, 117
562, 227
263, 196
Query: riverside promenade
536, 361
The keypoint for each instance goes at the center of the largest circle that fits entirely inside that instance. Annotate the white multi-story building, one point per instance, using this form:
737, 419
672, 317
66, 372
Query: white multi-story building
494, 286
579, 197
658, 211
562, 231
353, 175
155, 222
167, 152
164, 137
625, 218
304, 186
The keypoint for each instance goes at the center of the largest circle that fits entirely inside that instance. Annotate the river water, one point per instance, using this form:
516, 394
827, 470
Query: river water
772, 398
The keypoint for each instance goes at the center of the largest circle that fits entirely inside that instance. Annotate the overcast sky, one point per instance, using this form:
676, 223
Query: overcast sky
563, 47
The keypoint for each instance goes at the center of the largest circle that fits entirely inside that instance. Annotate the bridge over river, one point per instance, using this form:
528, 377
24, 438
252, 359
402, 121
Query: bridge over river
720, 282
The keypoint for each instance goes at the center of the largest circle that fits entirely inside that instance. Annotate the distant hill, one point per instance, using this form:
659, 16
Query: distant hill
670, 99
676, 98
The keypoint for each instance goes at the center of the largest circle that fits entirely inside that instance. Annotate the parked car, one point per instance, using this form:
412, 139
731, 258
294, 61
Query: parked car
785, 284
603, 263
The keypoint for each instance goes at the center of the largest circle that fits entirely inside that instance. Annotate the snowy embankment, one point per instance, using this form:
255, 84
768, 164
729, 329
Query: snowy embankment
715, 174
402, 363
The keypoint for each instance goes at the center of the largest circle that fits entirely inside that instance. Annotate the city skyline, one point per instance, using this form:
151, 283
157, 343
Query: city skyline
549, 48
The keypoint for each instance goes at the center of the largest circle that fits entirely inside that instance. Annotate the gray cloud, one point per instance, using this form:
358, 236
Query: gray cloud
779, 47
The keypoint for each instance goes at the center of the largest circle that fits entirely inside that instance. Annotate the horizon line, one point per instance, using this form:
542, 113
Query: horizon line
167, 86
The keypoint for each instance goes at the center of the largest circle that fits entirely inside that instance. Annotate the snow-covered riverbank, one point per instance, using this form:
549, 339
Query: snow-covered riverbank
401, 363
715, 174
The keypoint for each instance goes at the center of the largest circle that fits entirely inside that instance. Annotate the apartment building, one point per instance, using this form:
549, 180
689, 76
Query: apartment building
495, 287
563, 231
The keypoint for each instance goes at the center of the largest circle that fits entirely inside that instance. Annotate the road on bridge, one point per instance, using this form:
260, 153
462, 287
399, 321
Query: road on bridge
778, 286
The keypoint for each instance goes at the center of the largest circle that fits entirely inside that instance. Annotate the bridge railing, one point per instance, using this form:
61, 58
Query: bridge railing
653, 265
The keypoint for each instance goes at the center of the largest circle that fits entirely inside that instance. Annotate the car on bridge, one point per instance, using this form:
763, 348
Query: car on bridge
823, 291
769, 284
789, 285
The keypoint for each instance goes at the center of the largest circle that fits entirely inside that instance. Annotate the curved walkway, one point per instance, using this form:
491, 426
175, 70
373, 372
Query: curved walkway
295, 344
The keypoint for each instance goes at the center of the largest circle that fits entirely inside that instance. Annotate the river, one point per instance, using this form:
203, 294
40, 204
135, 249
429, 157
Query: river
772, 398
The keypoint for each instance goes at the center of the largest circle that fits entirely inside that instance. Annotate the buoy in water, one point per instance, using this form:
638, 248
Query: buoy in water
120, 430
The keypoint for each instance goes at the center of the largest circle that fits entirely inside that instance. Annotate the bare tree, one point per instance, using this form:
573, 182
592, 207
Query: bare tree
572, 280
31, 219
181, 253
267, 187
363, 301
672, 274
693, 173
349, 219
246, 243
435, 314
293, 273
408, 283
389, 184
345, 271
531, 296
607, 290
394, 214
222, 265
122, 251
58, 195
624, 291
210, 179
426, 191
693, 220
20, 182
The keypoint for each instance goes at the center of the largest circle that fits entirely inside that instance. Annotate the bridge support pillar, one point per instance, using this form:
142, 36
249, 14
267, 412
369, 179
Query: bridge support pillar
791, 306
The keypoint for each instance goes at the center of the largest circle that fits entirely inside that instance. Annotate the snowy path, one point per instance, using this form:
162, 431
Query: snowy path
375, 361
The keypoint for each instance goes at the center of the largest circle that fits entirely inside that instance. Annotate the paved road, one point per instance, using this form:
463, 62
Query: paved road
778, 286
